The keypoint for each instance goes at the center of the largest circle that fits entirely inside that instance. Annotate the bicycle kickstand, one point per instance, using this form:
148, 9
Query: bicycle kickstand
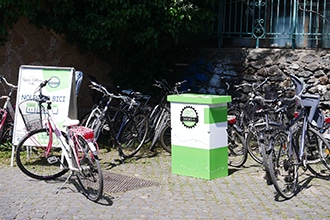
67, 179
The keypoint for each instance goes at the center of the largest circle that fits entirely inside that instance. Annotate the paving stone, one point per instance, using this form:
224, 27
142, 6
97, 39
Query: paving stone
241, 195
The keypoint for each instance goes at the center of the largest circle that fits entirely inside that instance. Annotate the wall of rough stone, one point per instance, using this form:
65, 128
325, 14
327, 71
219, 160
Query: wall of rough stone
28, 45
210, 67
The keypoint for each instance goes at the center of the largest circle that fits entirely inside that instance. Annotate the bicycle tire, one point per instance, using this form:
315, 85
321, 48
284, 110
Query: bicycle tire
265, 150
7, 132
165, 137
254, 150
153, 118
31, 159
90, 177
283, 166
317, 154
133, 135
237, 151
264, 154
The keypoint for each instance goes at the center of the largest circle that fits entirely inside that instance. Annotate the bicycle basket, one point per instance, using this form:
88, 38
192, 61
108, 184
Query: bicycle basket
31, 115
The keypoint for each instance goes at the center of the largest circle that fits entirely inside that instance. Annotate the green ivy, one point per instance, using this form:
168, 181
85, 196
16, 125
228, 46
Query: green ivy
132, 31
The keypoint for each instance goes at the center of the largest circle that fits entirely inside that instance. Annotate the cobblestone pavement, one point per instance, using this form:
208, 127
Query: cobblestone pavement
243, 194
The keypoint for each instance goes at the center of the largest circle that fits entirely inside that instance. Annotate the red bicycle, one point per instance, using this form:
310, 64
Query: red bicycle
7, 112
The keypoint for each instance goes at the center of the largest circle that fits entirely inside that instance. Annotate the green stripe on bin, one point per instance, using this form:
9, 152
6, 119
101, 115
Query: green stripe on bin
198, 98
215, 115
202, 163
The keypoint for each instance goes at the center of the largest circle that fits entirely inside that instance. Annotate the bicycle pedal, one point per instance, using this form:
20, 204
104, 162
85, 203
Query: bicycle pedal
52, 159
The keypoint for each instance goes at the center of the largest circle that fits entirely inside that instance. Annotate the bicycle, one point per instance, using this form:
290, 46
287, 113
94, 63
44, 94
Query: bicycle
159, 117
300, 145
46, 152
237, 150
7, 112
258, 117
126, 122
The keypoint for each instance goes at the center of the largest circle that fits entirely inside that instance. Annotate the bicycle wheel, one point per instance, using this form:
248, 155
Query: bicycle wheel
90, 176
252, 143
133, 135
153, 118
165, 137
265, 150
237, 151
6, 132
31, 156
317, 154
264, 154
283, 166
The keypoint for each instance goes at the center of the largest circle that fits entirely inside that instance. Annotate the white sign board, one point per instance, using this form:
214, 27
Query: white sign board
61, 92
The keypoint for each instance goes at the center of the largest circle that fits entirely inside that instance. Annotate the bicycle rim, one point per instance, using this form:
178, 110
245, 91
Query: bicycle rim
317, 154
237, 151
283, 167
31, 158
133, 135
90, 176
165, 137
252, 143
253, 147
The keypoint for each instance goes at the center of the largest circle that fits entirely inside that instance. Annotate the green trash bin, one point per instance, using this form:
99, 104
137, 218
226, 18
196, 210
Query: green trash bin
199, 135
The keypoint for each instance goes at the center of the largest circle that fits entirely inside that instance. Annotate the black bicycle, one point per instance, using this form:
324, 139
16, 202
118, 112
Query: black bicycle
300, 145
125, 122
160, 118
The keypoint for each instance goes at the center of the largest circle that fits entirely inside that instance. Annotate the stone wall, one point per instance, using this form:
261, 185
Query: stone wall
210, 68
28, 45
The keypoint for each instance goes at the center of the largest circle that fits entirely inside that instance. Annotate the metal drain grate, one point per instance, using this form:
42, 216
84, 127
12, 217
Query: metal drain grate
114, 182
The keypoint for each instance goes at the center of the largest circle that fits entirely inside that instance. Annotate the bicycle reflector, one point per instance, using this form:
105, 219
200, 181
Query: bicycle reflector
327, 120
231, 119
87, 133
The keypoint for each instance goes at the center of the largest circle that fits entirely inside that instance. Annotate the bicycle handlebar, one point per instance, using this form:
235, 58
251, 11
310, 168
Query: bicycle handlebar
178, 84
2, 78
254, 86
164, 85
41, 97
102, 89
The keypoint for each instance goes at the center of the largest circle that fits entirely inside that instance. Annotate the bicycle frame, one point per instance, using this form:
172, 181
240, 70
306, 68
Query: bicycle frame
7, 107
299, 150
67, 149
52, 126
309, 107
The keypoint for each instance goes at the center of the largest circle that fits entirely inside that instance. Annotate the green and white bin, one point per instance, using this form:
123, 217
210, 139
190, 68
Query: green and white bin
199, 135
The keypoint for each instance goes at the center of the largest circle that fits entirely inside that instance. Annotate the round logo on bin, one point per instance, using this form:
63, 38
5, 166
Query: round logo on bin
189, 117
54, 82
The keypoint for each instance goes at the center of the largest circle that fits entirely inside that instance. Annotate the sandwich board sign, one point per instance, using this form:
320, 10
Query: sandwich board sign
60, 89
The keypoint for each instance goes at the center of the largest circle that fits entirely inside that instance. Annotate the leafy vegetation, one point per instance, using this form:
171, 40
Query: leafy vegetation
130, 34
